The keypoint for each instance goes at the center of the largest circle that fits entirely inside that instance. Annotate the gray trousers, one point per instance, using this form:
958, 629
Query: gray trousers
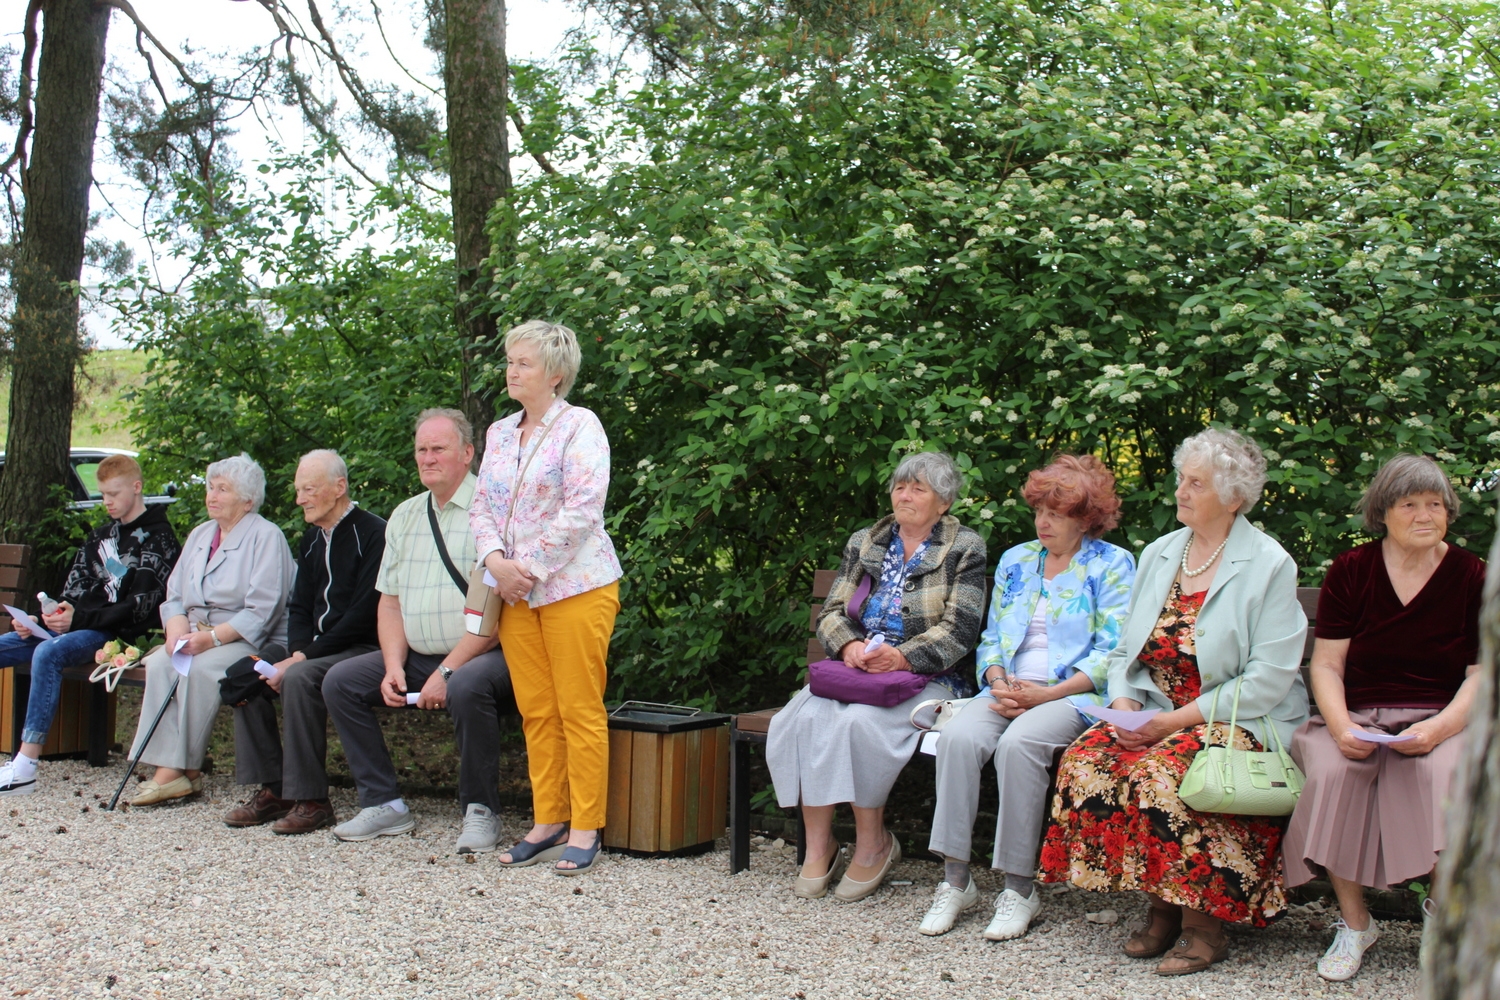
478, 693
1022, 748
258, 758
182, 738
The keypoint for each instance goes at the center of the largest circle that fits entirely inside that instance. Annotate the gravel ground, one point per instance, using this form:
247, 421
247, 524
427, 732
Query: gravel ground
168, 902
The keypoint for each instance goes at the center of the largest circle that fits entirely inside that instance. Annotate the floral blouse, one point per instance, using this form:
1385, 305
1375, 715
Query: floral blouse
556, 529
1085, 615
882, 612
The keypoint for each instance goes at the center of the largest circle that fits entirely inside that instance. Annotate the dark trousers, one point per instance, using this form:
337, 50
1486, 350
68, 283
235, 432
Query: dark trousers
258, 757
478, 693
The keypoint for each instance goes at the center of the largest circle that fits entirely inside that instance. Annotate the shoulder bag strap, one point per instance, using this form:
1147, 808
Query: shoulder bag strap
857, 599
437, 538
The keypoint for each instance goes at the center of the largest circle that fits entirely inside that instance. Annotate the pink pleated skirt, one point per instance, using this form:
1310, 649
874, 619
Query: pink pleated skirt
1377, 821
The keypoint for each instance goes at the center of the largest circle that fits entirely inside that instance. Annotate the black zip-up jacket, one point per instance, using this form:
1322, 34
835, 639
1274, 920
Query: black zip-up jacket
119, 576
334, 599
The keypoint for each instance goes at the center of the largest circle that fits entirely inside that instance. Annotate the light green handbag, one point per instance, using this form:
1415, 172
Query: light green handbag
1244, 782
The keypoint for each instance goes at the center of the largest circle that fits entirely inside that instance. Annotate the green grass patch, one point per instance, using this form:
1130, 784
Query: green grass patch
104, 378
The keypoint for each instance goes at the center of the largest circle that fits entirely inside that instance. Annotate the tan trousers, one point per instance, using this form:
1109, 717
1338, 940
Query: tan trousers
182, 738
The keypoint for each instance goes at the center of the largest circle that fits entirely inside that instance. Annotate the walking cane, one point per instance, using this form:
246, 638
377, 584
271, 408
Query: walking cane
171, 693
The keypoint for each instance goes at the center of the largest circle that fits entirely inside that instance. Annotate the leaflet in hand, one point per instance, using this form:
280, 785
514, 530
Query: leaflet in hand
489, 579
412, 696
1119, 718
25, 619
181, 662
265, 669
1369, 737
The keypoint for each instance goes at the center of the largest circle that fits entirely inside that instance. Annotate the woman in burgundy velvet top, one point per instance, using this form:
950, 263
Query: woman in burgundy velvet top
1397, 639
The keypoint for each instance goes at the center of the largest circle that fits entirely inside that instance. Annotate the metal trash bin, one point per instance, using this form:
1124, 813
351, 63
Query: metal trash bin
668, 778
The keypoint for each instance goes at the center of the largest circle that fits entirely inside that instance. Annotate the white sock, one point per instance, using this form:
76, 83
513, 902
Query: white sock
397, 805
25, 767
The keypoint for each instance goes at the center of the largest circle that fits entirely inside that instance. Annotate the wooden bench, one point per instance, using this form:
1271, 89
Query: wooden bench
85, 719
750, 728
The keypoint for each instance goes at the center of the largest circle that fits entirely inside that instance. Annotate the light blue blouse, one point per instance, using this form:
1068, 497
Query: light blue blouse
1087, 613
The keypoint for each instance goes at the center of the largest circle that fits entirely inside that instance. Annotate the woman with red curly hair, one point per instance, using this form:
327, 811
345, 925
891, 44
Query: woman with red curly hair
1056, 612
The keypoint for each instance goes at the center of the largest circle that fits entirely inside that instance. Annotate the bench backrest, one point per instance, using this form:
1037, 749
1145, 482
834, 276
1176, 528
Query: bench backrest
15, 573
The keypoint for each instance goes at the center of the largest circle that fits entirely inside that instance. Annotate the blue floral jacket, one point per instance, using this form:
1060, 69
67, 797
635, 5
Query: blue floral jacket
1089, 601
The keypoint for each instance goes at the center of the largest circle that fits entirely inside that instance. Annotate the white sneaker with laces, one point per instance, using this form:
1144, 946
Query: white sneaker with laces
949, 902
481, 830
376, 821
1013, 915
1342, 959
12, 785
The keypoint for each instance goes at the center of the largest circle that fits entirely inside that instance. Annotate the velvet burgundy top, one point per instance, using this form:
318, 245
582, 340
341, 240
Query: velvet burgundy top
1402, 656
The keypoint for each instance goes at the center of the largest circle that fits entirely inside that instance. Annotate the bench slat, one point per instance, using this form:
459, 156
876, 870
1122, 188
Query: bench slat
823, 582
1308, 598
15, 555
755, 722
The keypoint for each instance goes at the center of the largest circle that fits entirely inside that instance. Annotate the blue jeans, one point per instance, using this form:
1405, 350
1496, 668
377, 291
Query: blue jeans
48, 657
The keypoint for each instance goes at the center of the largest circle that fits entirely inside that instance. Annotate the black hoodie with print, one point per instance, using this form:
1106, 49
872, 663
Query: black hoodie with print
119, 576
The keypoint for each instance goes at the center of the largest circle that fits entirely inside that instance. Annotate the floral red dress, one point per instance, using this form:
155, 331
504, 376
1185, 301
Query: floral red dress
1118, 824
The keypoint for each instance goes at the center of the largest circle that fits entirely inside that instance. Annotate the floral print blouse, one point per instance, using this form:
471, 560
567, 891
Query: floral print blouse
556, 529
882, 612
1085, 616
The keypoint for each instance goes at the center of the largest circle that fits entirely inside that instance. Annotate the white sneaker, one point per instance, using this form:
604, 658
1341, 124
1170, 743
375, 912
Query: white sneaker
1013, 915
376, 821
949, 902
1343, 958
481, 830
11, 785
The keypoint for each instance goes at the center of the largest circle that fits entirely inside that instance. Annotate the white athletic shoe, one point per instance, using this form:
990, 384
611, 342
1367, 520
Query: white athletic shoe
11, 785
1342, 960
1013, 915
949, 902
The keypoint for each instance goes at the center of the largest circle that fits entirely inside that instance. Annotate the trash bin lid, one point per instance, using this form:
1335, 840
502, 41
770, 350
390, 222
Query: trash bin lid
653, 717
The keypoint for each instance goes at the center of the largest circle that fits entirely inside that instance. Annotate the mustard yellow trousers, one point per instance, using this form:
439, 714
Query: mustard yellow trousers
556, 655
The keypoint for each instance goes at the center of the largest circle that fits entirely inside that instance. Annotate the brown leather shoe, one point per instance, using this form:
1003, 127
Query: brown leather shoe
262, 807
306, 816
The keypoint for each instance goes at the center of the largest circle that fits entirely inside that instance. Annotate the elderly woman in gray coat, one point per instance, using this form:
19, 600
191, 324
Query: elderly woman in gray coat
226, 599
927, 575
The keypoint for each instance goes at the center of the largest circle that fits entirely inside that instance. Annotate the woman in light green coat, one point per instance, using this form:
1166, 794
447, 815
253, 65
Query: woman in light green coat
1214, 608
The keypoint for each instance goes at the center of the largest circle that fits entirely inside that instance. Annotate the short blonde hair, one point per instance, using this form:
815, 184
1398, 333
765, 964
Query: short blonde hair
557, 345
115, 466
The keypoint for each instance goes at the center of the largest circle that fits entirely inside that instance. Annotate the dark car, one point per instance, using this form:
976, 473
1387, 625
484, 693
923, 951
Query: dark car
83, 483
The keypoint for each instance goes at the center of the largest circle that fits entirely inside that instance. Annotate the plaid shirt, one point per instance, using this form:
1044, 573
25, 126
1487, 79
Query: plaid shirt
432, 607
941, 605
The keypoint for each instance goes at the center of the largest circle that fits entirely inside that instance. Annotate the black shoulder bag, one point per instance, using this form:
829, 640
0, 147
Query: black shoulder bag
437, 538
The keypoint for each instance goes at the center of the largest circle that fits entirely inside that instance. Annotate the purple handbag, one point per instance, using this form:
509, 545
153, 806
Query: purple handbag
837, 680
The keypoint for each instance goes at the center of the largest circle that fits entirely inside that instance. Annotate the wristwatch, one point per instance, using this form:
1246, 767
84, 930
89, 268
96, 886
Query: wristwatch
445, 673
215, 637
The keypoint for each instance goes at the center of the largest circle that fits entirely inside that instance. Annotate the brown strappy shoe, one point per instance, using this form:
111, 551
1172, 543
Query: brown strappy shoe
1163, 927
1196, 949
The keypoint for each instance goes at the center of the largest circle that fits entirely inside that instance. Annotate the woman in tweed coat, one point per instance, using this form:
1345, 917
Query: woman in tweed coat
927, 575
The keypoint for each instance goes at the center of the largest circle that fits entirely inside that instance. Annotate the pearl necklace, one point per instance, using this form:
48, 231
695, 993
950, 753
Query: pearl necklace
1204, 568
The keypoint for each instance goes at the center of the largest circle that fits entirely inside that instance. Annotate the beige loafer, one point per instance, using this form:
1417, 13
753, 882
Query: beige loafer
817, 888
150, 793
850, 889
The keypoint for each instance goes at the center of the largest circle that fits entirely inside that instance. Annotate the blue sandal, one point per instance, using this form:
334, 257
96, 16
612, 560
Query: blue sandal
528, 852
583, 857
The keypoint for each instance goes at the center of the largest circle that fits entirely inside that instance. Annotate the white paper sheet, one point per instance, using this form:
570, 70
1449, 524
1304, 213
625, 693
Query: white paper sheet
27, 620
265, 669
412, 696
489, 579
1120, 718
1369, 737
930, 742
181, 662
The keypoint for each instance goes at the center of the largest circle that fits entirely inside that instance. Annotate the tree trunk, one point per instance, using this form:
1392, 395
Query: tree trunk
1462, 941
49, 261
475, 73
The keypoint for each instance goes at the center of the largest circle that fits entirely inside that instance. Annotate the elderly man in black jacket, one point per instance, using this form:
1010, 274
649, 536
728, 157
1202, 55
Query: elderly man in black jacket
331, 617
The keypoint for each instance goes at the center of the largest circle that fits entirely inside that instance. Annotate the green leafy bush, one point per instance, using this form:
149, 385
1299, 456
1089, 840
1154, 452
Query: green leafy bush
1095, 228
294, 335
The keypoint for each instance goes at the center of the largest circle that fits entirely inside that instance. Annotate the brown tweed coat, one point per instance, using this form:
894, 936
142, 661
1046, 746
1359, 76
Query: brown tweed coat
942, 607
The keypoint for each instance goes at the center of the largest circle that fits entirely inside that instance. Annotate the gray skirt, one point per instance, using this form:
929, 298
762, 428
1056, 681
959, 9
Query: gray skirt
822, 752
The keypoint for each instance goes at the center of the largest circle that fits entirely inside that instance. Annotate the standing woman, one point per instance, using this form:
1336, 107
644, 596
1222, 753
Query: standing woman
227, 598
538, 520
